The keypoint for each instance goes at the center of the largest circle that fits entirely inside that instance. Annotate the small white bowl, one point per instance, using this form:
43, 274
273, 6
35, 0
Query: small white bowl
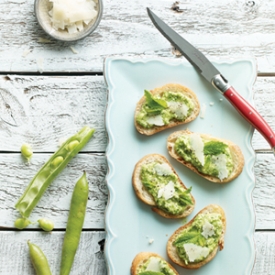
42, 8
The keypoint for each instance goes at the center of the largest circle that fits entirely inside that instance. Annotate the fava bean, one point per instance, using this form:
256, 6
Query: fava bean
22, 223
26, 151
51, 169
74, 224
39, 260
46, 224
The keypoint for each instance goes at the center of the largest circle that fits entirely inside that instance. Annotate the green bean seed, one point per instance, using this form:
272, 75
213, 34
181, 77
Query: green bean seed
26, 151
22, 223
56, 162
74, 224
39, 260
46, 224
73, 144
51, 169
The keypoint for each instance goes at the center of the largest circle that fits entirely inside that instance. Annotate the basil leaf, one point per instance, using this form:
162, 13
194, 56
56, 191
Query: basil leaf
214, 148
154, 103
188, 237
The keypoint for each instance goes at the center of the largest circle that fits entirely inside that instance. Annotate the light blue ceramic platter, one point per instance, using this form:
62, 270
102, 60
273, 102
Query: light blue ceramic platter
130, 224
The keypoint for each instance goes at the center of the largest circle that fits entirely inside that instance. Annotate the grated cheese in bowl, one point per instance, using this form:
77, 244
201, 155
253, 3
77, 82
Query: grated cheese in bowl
68, 20
72, 15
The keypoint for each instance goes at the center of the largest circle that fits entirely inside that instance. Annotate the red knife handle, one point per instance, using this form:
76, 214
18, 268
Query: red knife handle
250, 114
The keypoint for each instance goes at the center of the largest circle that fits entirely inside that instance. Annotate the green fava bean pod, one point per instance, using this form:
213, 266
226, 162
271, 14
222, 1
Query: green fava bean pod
74, 224
51, 169
39, 260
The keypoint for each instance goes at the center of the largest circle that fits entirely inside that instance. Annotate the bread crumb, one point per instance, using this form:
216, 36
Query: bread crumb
151, 241
26, 52
203, 110
74, 50
40, 64
43, 40
211, 103
221, 99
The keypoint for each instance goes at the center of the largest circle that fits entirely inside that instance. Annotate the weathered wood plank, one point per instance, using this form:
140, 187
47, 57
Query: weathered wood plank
15, 175
14, 254
264, 192
32, 109
264, 99
221, 29
74, 102
14, 257
265, 251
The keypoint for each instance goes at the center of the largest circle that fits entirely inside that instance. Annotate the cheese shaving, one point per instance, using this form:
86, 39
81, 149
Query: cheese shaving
72, 15
220, 163
197, 146
195, 252
154, 265
180, 109
167, 192
207, 230
155, 120
163, 169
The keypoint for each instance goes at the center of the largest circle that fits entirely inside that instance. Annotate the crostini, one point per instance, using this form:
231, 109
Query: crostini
165, 107
196, 243
151, 263
217, 160
157, 184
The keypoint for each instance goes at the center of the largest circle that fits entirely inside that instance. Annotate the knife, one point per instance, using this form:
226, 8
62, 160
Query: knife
213, 76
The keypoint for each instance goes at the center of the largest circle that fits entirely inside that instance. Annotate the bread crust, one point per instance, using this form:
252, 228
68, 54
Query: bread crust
237, 156
145, 196
142, 257
157, 91
171, 249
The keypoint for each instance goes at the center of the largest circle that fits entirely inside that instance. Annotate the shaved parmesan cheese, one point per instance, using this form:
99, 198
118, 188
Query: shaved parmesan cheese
197, 146
180, 109
207, 230
155, 120
74, 50
203, 110
195, 252
163, 169
220, 163
167, 192
40, 64
154, 265
72, 14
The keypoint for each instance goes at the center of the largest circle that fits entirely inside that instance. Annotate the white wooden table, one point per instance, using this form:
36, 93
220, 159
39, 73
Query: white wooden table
49, 90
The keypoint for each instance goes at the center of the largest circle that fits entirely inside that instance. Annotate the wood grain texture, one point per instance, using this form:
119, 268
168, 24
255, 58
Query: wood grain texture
265, 251
15, 175
74, 102
221, 29
14, 253
34, 108
264, 192
89, 259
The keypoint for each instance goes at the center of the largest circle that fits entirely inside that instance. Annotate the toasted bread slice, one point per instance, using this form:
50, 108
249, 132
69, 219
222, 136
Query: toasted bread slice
171, 249
177, 88
146, 197
142, 258
236, 153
